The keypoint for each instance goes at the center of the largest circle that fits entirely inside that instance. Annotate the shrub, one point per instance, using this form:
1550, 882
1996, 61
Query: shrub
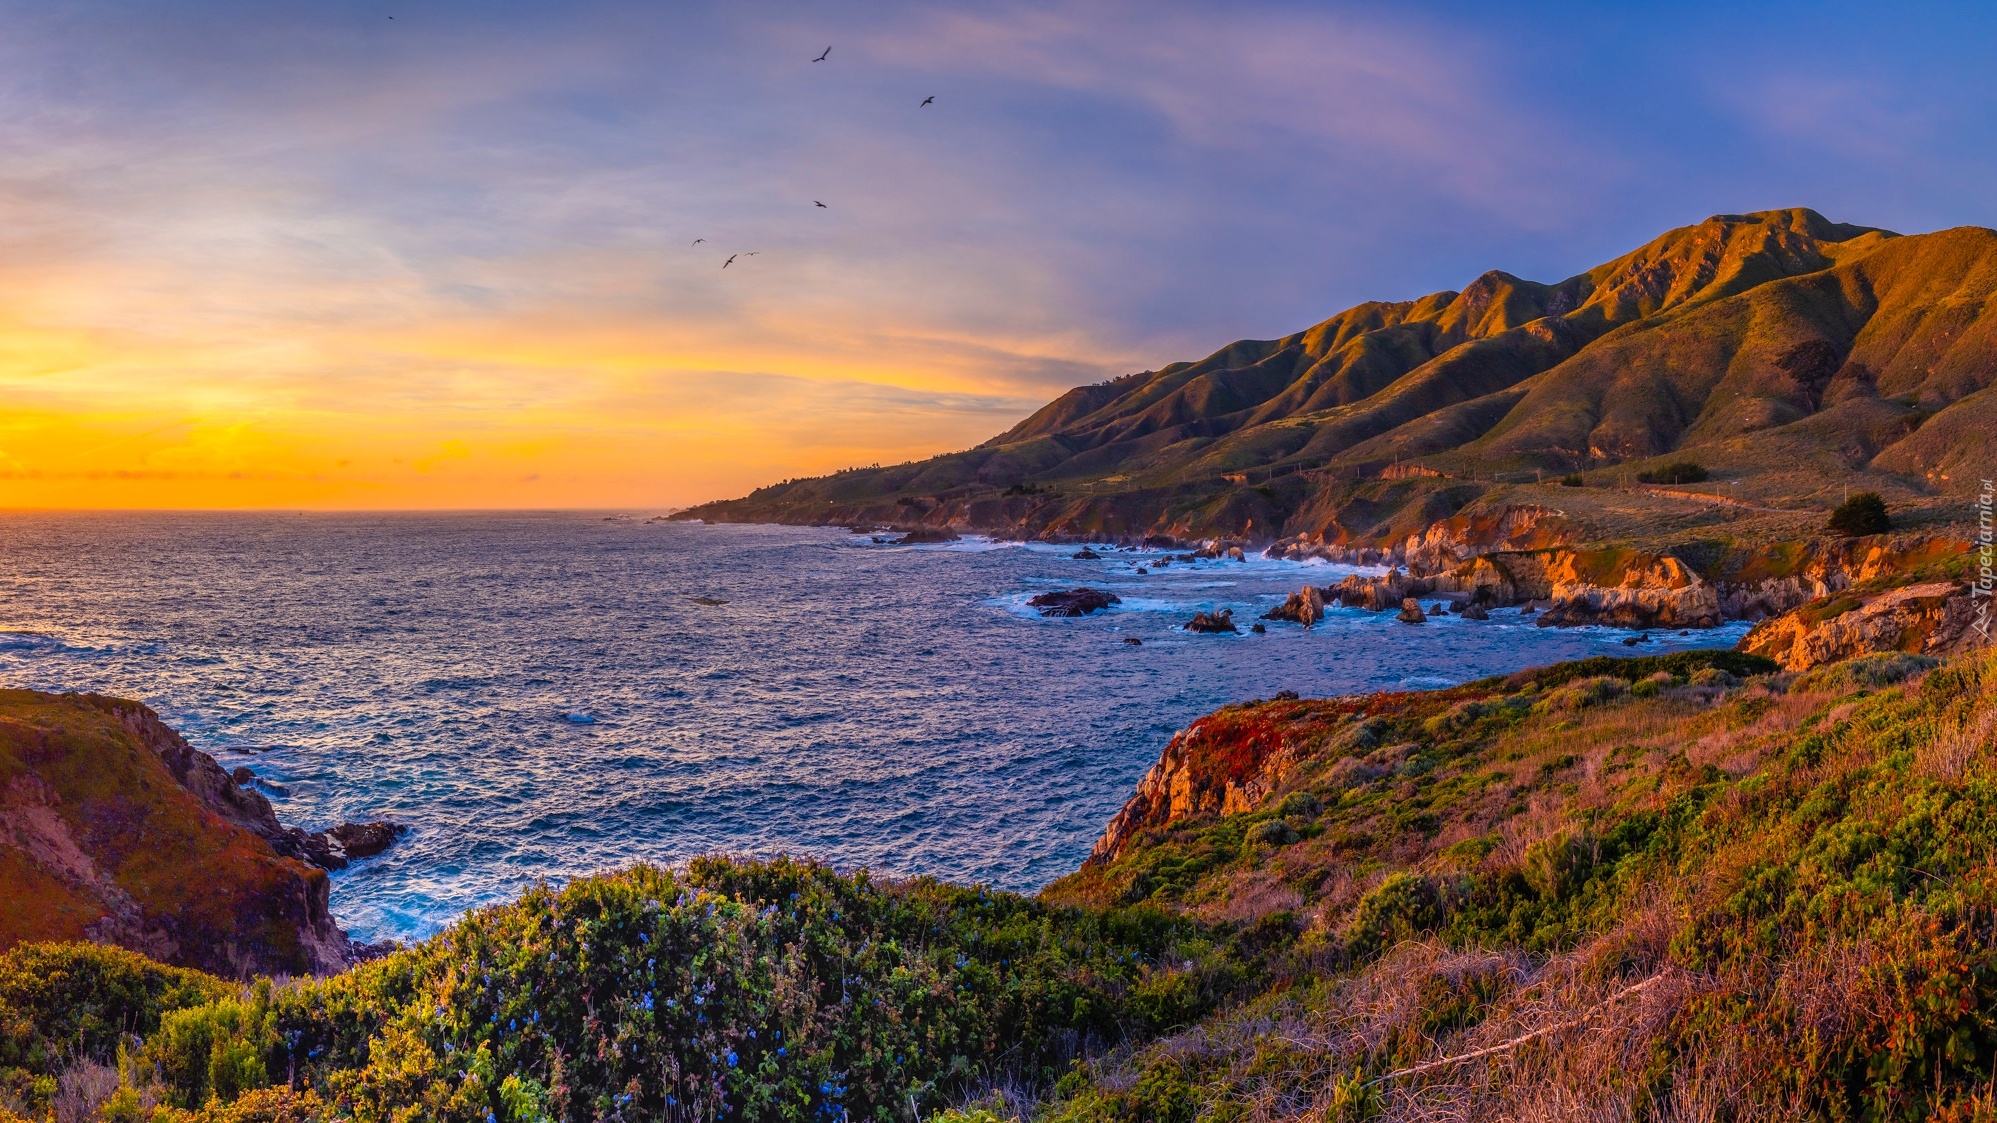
1862, 514
1682, 472
1304, 805
1399, 908
1582, 693
1880, 669
1713, 676
61, 1003
1273, 832
1573, 479
216, 1051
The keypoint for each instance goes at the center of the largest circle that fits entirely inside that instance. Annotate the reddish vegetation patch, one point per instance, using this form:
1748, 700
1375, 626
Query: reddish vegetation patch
1232, 745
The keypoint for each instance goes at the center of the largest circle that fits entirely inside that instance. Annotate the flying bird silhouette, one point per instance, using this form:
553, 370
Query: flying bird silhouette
817, 203
730, 261
752, 253
698, 241
927, 100
821, 58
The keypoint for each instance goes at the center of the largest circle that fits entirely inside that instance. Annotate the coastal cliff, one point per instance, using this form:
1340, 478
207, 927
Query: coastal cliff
114, 830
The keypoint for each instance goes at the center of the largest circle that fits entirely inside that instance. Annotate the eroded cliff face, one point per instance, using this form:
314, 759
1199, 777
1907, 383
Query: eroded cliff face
1223, 763
1445, 544
1937, 618
113, 829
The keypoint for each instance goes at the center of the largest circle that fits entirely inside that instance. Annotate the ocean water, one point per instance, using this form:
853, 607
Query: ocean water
542, 695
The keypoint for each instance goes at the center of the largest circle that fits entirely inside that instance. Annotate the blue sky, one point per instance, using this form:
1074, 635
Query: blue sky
288, 253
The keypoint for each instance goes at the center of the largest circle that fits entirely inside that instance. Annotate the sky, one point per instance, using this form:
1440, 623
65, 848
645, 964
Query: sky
435, 254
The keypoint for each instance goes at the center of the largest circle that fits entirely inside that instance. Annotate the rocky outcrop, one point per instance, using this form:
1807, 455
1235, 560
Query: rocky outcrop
925, 535
1212, 622
1305, 607
1935, 618
1073, 602
1771, 580
229, 796
1378, 594
1653, 593
1411, 612
1510, 527
1222, 764
113, 829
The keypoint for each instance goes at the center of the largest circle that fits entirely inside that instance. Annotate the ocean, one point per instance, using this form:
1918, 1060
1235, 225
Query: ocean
546, 694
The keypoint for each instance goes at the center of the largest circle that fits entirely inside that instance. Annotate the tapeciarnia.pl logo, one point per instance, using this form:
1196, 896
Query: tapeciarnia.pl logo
1986, 560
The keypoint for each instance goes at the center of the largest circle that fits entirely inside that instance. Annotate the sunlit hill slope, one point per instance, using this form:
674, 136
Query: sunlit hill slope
1792, 356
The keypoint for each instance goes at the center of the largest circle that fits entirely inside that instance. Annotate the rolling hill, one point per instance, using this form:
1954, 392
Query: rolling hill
1792, 357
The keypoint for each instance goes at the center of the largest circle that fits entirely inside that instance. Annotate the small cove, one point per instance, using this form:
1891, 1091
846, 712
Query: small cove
540, 695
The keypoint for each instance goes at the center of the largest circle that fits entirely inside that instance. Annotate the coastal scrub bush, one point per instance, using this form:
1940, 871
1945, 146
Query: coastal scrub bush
1681, 472
61, 1004
1581, 694
216, 1051
1713, 676
1573, 479
1401, 907
728, 990
1862, 514
1875, 670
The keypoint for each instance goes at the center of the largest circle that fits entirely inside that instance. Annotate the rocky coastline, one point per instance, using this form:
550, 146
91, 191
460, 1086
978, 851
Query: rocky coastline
114, 829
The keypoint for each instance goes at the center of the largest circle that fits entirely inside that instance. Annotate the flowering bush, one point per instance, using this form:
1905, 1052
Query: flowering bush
728, 990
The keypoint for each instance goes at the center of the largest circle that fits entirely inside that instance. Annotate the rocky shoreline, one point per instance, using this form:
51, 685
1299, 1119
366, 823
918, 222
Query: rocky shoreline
121, 832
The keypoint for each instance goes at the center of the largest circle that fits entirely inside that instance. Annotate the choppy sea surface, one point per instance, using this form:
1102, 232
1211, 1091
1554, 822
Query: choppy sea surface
542, 695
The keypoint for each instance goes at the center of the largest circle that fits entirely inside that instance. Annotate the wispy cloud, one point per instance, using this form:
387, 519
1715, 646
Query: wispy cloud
251, 243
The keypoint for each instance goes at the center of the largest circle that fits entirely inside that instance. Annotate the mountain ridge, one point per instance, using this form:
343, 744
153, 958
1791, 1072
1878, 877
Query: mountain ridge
1793, 356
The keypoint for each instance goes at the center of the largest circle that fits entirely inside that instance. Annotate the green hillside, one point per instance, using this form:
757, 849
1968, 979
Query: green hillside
1791, 356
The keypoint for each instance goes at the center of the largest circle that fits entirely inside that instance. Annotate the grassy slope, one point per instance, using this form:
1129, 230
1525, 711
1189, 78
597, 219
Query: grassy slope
1793, 356
1799, 873
1766, 899
101, 840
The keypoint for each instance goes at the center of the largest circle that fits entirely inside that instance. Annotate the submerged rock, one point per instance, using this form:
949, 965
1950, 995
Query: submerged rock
1474, 612
1258, 629
1086, 554
1133, 641
1211, 623
1073, 602
924, 535
365, 840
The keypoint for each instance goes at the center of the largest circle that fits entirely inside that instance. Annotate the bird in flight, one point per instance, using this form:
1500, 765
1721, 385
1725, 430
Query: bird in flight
752, 253
698, 241
821, 58
817, 203
927, 100
730, 261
